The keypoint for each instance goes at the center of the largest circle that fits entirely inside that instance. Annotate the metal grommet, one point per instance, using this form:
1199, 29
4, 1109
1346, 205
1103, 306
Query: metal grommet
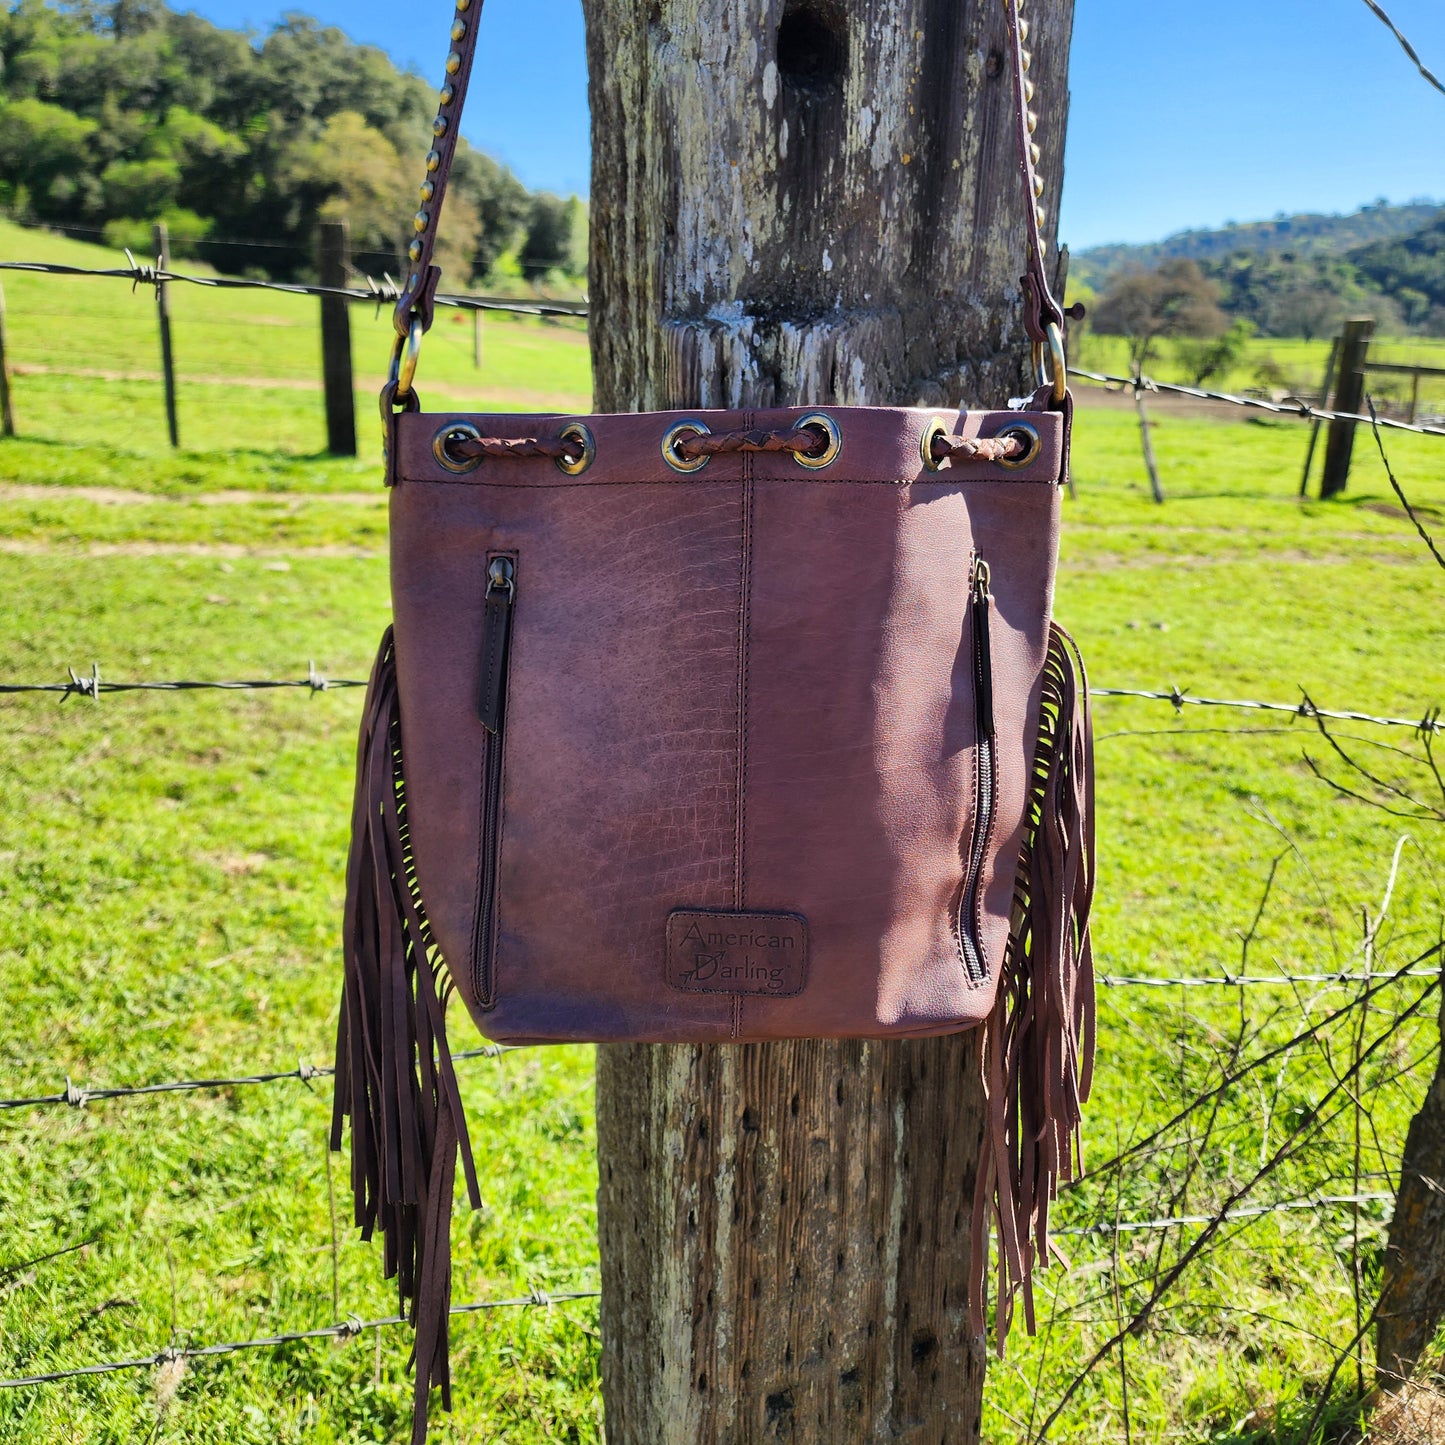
440, 446
1031, 435
822, 422
575, 431
931, 434
675, 434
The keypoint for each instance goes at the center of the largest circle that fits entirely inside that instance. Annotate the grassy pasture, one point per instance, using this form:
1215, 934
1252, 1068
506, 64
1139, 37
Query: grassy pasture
169, 897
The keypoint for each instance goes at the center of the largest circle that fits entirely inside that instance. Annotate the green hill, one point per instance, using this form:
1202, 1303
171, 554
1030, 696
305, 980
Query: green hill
1307, 234
1409, 268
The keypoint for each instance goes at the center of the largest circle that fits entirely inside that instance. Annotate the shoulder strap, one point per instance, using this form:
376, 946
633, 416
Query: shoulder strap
1043, 317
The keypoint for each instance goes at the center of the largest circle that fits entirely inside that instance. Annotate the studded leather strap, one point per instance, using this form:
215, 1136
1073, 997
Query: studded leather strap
1041, 309
416, 301
414, 309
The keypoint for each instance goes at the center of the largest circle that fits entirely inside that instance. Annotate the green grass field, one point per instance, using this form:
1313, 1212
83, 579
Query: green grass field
170, 873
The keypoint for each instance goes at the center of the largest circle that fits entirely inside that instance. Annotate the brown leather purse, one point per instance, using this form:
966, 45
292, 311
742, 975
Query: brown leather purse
716, 726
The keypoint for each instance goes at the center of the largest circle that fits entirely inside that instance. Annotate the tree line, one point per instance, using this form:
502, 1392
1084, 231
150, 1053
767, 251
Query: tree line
117, 113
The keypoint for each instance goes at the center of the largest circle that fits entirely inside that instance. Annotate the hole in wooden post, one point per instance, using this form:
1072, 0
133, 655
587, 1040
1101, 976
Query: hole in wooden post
812, 46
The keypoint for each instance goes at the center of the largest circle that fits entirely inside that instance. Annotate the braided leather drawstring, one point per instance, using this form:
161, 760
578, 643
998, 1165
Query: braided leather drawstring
978, 449
470, 448
803, 441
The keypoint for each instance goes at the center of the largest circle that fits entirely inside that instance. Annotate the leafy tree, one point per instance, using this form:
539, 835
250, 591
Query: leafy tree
120, 112
553, 231
43, 151
1174, 299
499, 200
346, 170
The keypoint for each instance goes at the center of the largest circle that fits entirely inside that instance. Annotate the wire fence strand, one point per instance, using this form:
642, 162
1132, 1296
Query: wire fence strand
93, 686
1314, 1204
1429, 722
345, 1330
77, 1096
1429, 75
1291, 406
383, 292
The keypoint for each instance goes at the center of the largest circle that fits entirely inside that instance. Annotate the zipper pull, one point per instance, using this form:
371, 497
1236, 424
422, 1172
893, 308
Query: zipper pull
496, 637
982, 649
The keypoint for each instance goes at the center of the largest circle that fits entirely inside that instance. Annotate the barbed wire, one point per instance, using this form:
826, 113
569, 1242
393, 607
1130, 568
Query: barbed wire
381, 293
1291, 406
345, 1330
1253, 980
77, 1096
93, 685
1245, 1211
1431, 722
1406, 46
353, 1326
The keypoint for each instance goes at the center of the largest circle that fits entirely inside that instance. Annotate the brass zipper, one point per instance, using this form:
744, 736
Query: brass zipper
980, 606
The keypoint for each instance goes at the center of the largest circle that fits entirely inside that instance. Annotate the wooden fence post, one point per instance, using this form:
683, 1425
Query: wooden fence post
1324, 397
784, 1227
7, 404
1412, 1285
162, 241
1349, 396
334, 262
477, 338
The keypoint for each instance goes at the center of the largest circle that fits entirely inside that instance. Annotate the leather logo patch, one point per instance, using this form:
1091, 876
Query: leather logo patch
759, 953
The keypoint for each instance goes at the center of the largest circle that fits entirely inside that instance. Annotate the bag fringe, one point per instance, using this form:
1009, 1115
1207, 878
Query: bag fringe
394, 1075
1038, 1044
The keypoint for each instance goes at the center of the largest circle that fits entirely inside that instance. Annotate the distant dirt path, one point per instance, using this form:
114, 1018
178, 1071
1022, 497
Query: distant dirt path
128, 497
505, 398
38, 547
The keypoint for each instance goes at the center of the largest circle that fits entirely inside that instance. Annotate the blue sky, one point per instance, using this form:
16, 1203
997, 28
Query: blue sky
1184, 112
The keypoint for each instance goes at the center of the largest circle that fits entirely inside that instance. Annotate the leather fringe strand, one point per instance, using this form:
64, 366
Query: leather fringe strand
394, 1075
1038, 1047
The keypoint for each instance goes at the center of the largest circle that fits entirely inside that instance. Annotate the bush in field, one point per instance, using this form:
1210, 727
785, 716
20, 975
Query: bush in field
185, 229
1203, 357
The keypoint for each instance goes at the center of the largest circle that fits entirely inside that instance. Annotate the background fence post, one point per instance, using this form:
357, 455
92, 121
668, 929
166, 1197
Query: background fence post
7, 405
1322, 402
334, 264
1350, 397
477, 338
1147, 441
163, 310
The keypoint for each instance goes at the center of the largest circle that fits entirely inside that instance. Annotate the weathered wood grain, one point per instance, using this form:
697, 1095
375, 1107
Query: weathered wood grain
1412, 1291
797, 203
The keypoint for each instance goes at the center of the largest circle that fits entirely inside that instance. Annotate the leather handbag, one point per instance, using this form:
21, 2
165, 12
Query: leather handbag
717, 726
